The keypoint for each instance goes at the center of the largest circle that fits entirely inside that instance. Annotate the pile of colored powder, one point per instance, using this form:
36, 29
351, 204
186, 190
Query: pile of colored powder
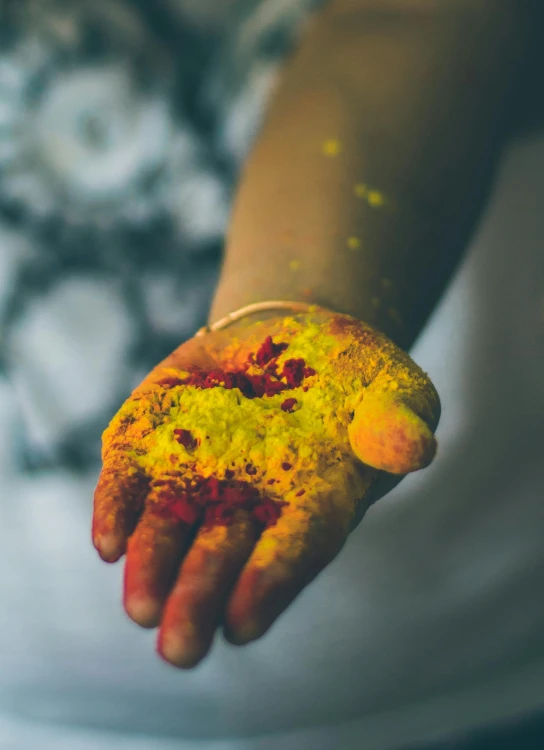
211, 442
212, 502
252, 386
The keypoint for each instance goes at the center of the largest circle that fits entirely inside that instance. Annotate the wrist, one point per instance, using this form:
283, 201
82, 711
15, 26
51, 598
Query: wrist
249, 286
261, 311
366, 296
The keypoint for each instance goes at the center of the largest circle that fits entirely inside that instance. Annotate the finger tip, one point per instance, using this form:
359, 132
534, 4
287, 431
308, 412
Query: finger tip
179, 651
145, 612
399, 442
109, 547
412, 452
241, 635
242, 625
402, 457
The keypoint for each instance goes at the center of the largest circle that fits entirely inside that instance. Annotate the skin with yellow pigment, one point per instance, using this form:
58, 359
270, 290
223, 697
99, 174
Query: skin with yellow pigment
332, 147
354, 243
367, 410
374, 198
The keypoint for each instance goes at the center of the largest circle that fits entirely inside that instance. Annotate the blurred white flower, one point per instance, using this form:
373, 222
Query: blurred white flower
66, 356
89, 130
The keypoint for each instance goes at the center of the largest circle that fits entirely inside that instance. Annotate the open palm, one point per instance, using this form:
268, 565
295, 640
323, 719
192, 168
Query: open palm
234, 473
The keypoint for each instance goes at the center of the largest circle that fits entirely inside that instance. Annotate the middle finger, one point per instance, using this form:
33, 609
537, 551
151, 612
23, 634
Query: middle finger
205, 580
154, 553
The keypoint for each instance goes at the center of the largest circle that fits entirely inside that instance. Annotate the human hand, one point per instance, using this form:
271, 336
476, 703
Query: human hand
235, 472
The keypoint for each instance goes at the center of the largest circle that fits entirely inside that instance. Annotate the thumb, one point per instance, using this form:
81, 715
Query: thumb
387, 434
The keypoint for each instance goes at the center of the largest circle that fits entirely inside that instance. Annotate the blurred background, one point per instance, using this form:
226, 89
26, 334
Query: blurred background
123, 127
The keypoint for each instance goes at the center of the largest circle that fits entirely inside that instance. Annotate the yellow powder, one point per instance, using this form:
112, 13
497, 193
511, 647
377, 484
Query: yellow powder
376, 199
233, 430
332, 147
354, 243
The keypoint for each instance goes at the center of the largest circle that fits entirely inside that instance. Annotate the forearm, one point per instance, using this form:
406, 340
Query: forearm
409, 104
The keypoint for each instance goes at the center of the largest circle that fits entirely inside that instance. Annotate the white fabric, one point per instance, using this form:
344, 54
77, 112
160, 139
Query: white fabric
430, 620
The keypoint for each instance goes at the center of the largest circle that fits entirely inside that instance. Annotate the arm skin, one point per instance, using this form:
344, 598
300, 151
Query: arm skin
416, 94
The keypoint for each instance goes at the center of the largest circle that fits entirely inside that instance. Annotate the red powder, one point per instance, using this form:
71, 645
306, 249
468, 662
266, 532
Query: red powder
289, 404
267, 513
271, 481
185, 438
268, 383
293, 371
182, 509
286, 466
213, 501
268, 351
300, 492
250, 469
